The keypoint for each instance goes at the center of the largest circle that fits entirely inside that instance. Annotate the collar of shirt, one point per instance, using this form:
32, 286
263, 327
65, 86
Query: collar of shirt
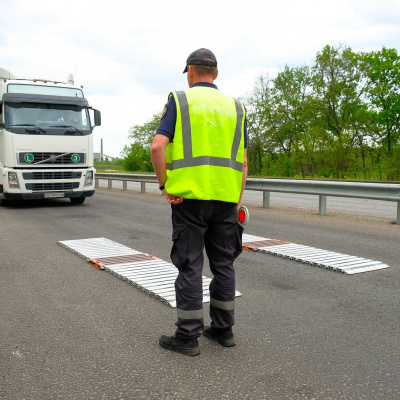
206, 84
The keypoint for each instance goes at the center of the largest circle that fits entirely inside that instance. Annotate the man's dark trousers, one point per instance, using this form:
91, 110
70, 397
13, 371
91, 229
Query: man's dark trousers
209, 224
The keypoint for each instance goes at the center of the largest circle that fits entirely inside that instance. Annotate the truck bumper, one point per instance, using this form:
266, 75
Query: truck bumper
51, 195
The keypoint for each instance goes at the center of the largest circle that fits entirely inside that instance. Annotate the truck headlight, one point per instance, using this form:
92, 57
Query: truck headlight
13, 180
89, 178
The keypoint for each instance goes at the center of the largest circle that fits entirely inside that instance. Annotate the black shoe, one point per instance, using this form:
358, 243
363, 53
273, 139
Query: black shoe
187, 347
223, 337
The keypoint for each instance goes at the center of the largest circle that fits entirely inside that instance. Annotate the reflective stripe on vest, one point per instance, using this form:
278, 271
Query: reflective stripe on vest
223, 305
190, 314
189, 160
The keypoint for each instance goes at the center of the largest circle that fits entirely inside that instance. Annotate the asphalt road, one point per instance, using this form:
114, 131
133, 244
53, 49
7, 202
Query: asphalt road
71, 331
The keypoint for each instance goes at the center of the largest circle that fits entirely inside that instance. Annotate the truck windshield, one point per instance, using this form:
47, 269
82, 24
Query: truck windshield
46, 118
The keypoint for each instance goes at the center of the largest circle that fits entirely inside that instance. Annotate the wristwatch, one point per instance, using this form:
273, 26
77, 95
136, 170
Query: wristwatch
162, 187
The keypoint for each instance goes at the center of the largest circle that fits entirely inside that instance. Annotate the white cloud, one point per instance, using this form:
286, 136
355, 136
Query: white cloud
129, 55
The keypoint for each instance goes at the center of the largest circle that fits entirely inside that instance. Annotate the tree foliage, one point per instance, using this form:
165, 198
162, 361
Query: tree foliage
338, 118
137, 155
382, 73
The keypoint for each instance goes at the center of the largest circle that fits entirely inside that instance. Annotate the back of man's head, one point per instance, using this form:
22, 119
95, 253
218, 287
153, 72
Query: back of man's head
202, 58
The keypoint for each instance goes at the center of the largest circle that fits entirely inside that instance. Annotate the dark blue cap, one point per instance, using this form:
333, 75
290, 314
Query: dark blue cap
201, 57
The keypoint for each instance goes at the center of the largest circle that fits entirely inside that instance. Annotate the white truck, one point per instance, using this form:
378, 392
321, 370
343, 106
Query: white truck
46, 140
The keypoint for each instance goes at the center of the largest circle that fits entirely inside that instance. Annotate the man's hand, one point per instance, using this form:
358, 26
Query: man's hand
172, 199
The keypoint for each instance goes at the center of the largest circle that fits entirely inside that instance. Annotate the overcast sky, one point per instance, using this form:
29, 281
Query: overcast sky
129, 55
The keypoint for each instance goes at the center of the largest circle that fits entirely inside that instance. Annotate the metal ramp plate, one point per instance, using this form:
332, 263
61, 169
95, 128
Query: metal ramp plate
148, 273
310, 255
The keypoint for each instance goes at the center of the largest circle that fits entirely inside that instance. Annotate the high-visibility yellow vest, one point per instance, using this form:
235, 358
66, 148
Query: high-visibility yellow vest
205, 158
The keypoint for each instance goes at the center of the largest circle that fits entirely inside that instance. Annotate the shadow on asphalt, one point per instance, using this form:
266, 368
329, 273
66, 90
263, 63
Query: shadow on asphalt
41, 203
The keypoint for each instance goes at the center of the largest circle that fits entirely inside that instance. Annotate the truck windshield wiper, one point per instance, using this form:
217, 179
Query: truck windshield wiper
32, 125
67, 126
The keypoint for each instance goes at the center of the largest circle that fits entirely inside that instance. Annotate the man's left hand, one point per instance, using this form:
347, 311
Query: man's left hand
172, 199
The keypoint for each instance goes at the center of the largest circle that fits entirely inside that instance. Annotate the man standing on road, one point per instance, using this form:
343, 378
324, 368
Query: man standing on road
199, 157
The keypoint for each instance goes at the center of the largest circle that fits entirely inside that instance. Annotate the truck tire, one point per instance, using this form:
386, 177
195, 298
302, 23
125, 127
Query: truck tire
77, 200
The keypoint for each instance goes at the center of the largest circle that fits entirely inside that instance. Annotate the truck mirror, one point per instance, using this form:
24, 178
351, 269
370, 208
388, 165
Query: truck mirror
97, 118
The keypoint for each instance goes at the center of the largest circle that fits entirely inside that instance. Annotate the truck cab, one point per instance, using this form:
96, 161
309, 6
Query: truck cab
46, 140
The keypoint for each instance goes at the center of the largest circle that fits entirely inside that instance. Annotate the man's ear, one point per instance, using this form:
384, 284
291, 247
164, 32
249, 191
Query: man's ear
216, 74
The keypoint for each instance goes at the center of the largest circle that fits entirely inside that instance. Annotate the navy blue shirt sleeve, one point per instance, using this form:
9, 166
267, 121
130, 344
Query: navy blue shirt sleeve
168, 121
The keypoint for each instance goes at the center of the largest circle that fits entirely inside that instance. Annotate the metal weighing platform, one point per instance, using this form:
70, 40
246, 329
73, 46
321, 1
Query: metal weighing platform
311, 255
154, 276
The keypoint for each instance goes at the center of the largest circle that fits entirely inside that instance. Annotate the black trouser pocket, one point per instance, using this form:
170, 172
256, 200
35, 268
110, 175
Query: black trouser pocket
179, 248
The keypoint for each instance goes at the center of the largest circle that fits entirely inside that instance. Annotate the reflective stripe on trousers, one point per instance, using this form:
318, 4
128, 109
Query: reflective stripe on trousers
190, 314
223, 305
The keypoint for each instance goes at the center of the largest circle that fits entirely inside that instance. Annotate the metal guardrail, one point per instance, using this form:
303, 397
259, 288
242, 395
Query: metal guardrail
323, 189
125, 178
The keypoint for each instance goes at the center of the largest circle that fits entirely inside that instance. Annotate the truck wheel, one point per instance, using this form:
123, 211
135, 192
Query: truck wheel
77, 200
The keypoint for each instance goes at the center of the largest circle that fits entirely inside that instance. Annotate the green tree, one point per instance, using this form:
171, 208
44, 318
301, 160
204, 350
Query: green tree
381, 71
258, 115
291, 116
136, 158
337, 78
144, 134
137, 155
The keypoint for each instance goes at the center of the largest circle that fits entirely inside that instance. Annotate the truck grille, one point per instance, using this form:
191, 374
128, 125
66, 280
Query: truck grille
51, 158
29, 176
39, 187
